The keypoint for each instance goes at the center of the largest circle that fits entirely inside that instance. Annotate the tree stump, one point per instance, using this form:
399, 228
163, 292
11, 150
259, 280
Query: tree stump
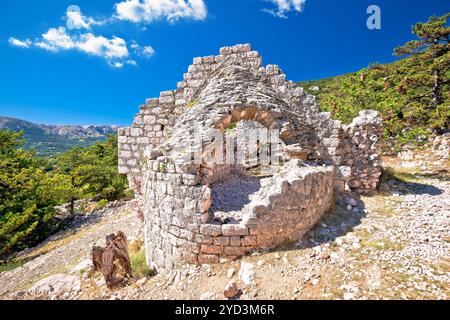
113, 261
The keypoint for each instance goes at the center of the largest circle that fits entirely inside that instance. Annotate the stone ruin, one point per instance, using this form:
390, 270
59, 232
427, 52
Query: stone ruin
207, 211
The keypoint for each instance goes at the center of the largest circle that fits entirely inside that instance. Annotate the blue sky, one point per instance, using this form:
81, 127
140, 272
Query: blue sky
117, 53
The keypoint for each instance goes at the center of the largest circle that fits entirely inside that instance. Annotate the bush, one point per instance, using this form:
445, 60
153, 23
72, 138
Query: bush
101, 204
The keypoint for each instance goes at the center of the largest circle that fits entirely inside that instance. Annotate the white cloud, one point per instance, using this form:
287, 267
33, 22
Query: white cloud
148, 51
56, 39
149, 10
77, 34
103, 47
113, 50
132, 63
285, 6
76, 20
143, 51
19, 43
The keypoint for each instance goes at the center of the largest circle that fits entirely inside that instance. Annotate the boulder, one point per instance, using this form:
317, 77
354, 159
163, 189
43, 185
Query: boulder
56, 285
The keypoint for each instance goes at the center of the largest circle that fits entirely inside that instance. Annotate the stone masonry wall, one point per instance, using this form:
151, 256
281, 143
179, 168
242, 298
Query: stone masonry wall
321, 157
331, 140
180, 229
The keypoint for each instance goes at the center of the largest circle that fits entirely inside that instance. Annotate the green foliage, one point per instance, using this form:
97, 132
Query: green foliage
92, 172
139, 265
191, 103
10, 265
231, 128
31, 187
101, 204
162, 167
412, 94
26, 203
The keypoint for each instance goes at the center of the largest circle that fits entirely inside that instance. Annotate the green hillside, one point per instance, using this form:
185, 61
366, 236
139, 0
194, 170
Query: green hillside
52, 140
412, 94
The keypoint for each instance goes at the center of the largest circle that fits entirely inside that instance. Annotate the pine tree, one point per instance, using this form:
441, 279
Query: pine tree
24, 202
427, 71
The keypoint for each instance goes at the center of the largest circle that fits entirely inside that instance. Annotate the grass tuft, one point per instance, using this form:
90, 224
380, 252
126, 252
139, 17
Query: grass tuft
139, 265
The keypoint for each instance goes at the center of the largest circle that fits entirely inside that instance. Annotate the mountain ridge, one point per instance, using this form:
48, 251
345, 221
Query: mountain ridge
53, 139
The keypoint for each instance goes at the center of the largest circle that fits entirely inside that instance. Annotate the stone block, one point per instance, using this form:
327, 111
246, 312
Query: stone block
213, 230
203, 239
211, 249
235, 251
207, 259
221, 241
248, 241
234, 230
235, 241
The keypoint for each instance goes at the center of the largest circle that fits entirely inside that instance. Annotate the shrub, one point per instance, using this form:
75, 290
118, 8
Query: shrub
101, 204
139, 265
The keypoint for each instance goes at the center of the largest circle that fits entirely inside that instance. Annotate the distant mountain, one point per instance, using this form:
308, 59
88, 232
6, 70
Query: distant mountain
53, 139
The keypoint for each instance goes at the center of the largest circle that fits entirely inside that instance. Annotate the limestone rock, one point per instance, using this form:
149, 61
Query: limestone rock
83, 266
247, 273
208, 296
55, 285
231, 290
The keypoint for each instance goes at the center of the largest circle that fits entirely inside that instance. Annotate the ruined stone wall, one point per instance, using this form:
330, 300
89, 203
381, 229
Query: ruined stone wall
361, 150
179, 229
331, 142
321, 155
150, 128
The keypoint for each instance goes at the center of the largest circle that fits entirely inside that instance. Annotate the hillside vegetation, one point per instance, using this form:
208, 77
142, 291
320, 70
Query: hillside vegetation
31, 187
51, 140
412, 94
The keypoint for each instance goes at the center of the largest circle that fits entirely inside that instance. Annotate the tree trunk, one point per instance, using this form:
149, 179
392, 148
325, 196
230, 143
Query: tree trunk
72, 199
113, 261
436, 90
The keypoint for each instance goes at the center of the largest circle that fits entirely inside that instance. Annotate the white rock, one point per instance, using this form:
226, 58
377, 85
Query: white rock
84, 265
55, 285
247, 273
231, 272
141, 281
349, 296
208, 296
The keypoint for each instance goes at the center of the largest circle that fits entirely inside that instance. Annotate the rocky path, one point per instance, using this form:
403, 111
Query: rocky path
391, 245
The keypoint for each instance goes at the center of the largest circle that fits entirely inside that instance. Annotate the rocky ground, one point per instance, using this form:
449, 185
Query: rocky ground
394, 244
62, 253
